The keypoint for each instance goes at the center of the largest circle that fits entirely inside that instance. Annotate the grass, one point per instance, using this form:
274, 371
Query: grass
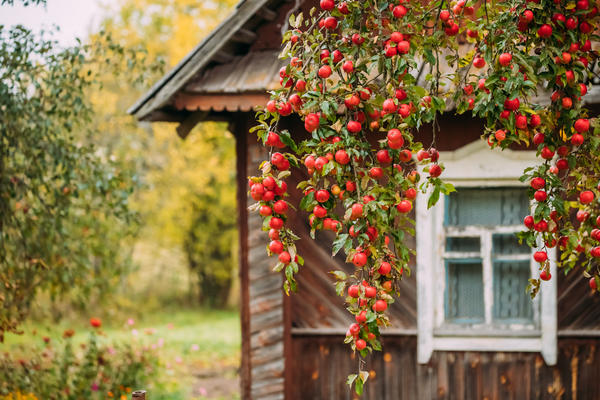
199, 350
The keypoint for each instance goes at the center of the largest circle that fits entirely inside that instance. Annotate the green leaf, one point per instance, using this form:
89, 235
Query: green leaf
448, 188
284, 174
350, 379
429, 56
328, 109
308, 202
339, 275
338, 244
278, 267
376, 345
358, 386
288, 141
434, 197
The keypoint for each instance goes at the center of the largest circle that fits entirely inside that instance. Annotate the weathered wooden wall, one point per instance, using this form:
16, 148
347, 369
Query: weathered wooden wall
323, 362
578, 306
296, 343
262, 297
292, 347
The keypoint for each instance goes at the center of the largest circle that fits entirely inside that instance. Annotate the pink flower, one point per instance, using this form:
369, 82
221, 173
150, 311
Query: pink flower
134, 332
161, 342
94, 387
130, 321
195, 347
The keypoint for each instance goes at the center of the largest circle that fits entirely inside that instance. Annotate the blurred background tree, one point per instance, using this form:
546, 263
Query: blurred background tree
184, 182
65, 221
208, 255
87, 194
71, 158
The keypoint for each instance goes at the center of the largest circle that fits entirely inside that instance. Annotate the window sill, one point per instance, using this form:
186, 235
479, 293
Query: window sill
487, 332
470, 343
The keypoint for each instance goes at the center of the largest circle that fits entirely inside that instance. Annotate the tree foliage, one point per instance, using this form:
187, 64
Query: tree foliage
376, 72
211, 256
24, 2
184, 182
64, 205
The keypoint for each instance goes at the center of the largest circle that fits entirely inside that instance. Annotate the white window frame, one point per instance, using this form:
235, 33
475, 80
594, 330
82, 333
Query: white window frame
475, 165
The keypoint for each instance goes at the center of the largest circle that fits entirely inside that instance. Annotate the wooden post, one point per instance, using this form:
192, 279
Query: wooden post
240, 130
138, 395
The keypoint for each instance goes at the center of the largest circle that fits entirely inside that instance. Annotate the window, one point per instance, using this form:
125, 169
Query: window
471, 269
479, 233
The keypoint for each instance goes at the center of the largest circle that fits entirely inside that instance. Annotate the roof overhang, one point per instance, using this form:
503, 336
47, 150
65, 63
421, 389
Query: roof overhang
163, 92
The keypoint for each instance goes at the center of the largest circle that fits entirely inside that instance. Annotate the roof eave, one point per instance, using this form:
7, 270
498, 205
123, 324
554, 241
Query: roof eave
162, 91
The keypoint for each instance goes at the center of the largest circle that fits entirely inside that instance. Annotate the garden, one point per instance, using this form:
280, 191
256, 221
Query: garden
121, 243
112, 279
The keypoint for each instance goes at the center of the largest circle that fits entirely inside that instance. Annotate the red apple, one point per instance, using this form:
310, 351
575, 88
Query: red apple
504, 59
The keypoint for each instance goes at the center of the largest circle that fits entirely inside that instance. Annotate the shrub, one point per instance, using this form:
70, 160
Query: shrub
94, 372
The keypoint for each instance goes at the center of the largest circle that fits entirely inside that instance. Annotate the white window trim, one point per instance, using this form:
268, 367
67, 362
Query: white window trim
475, 165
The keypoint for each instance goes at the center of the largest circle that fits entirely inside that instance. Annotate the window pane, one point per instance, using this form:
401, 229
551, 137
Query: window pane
491, 206
511, 302
463, 244
464, 291
508, 244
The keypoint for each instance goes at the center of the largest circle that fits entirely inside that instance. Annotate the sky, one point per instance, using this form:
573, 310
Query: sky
75, 18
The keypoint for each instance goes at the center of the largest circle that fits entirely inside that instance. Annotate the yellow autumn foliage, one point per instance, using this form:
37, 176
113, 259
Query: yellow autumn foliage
174, 173
18, 396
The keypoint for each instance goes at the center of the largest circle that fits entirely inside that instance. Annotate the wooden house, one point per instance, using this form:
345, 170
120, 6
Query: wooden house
463, 328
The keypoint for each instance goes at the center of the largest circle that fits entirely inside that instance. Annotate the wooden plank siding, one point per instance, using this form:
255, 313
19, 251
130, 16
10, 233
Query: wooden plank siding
578, 306
262, 296
395, 375
240, 130
297, 342
292, 347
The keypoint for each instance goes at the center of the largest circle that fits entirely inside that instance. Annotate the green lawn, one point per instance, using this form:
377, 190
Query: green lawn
199, 350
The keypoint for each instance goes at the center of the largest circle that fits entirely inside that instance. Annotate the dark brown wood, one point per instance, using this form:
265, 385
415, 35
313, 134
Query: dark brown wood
269, 34
244, 36
287, 347
322, 364
223, 57
138, 395
338, 332
266, 14
241, 146
578, 306
266, 298
186, 126
220, 102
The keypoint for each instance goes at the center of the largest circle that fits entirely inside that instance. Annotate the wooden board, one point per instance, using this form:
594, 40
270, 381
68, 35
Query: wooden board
297, 339
323, 363
578, 306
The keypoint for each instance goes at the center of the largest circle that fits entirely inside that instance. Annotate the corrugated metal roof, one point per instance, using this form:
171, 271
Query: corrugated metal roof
246, 75
254, 72
235, 86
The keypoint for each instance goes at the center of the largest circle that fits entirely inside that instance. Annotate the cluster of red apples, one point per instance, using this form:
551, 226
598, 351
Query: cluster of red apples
369, 84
